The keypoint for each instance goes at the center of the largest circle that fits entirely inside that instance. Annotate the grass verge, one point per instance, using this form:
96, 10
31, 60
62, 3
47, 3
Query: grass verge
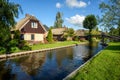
105, 66
53, 45
50, 45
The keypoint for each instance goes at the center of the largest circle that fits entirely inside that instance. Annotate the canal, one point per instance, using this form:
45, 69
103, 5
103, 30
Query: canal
50, 65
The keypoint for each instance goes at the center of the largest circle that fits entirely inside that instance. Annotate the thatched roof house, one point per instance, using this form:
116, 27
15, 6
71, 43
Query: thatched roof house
31, 29
58, 33
80, 33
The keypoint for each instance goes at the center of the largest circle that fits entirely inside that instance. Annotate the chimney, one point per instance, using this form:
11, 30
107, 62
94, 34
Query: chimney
27, 15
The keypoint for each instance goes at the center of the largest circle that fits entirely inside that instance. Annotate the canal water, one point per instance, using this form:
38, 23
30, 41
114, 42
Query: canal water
50, 65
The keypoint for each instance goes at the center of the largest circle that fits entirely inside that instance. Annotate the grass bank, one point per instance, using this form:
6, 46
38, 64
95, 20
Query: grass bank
105, 66
45, 46
55, 44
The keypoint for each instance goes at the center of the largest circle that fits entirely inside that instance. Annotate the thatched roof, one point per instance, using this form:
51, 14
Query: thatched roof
58, 31
23, 21
80, 33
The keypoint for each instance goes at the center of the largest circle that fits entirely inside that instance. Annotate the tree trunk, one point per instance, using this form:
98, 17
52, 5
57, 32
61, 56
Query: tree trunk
90, 36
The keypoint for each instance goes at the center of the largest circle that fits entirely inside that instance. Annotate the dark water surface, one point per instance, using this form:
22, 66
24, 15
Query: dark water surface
51, 65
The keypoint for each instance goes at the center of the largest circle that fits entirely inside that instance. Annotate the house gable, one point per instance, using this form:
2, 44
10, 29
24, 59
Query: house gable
33, 26
30, 29
29, 24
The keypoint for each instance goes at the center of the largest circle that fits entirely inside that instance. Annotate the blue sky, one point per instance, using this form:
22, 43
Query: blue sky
74, 11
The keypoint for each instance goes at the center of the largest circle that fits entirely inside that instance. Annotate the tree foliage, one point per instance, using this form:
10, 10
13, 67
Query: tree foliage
5, 37
50, 36
93, 32
111, 13
90, 22
8, 12
16, 35
114, 31
59, 21
69, 32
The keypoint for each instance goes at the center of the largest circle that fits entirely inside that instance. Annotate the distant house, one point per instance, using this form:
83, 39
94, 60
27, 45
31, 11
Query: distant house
80, 34
31, 29
58, 33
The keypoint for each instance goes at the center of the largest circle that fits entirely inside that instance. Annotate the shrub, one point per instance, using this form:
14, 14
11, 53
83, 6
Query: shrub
2, 50
50, 36
76, 38
26, 48
10, 46
22, 44
13, 49
13, 43
83, 40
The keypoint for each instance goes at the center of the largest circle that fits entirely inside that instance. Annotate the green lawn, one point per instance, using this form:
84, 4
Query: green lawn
50, 45
105, 66
53, 45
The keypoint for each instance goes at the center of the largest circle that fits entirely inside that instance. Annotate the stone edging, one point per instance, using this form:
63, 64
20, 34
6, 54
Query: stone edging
10, 56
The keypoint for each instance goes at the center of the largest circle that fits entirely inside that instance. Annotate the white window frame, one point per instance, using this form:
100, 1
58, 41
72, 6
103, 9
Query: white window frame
34, 25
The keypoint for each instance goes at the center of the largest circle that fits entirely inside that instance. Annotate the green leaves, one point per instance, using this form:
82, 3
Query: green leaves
58, 21
111, 13
90, 22
69, 32
8, 12
114, 31
50, 36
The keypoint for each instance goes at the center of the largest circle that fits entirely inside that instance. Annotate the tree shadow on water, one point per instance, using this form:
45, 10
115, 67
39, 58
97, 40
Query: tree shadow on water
7, 73
90, 50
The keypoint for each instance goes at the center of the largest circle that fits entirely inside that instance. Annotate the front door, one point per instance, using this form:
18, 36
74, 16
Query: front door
22, 36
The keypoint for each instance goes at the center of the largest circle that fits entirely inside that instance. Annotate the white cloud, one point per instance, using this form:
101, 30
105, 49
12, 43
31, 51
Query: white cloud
76, 20
75, 3
58, 5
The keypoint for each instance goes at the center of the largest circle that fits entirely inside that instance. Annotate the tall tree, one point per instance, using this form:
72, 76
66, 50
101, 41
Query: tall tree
8, 12
111, 13
90, 22
59, 21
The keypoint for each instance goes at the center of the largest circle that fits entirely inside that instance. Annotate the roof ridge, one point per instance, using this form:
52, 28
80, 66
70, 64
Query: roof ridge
23, 21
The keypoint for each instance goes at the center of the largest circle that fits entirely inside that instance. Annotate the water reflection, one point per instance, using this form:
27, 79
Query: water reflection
63, 54
90, 51
6, 73
32, 63
51, 65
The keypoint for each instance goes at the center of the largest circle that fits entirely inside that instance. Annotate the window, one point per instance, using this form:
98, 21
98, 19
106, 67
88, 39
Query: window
32, 37
34, 24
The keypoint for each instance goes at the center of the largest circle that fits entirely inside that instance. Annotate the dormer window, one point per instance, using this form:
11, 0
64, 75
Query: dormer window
34, 25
